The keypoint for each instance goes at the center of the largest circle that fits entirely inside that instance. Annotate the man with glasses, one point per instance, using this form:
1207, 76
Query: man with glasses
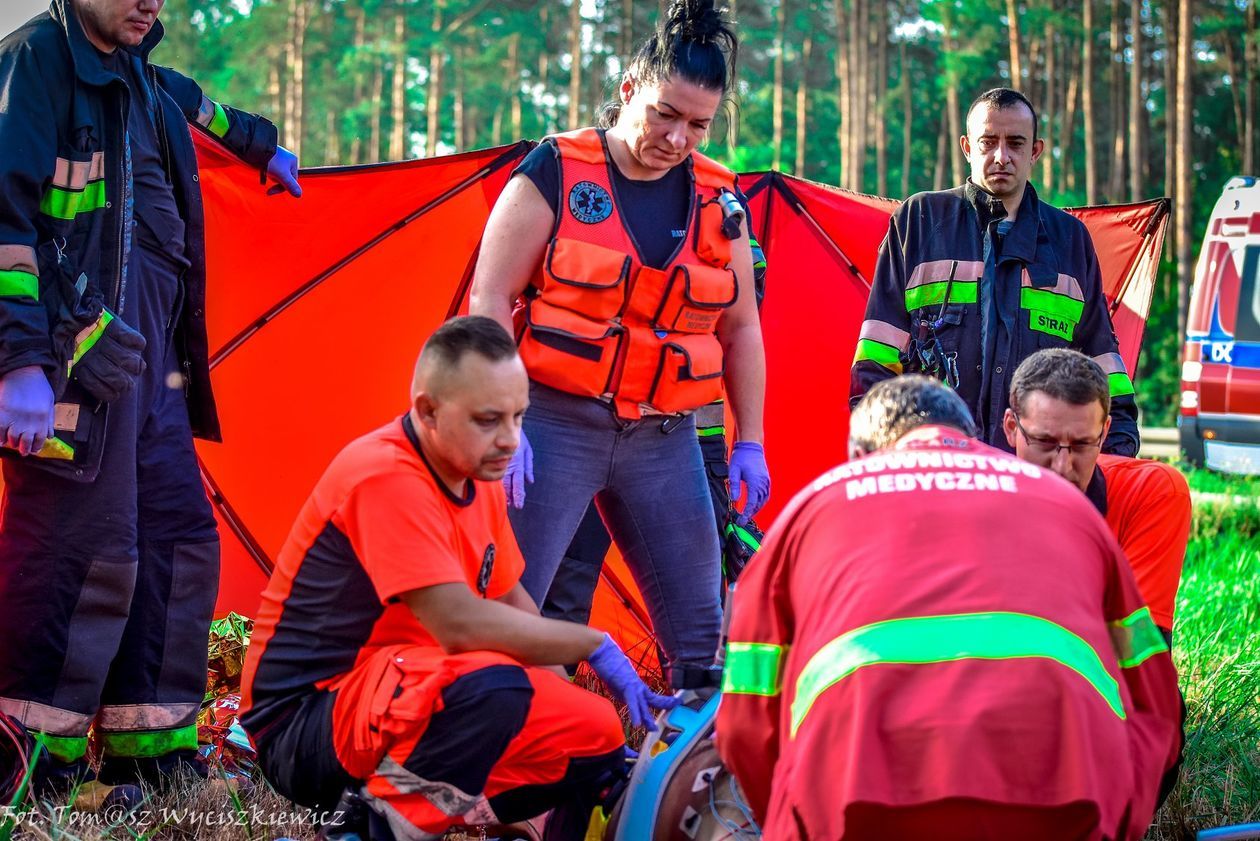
1058, 419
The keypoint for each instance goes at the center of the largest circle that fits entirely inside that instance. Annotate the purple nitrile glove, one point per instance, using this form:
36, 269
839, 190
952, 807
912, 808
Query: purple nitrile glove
26, 409
283, 167
520, 471
615, 670
748, 465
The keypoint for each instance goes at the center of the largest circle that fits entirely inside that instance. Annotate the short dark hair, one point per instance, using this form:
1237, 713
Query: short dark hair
1063, 374
998, 98
894, 407
469, 334
693, 41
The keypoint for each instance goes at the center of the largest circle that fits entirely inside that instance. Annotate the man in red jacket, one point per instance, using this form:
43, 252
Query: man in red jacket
940, 640
1058, 415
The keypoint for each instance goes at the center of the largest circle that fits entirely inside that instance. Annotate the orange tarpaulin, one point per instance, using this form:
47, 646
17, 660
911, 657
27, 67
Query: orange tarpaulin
318, 306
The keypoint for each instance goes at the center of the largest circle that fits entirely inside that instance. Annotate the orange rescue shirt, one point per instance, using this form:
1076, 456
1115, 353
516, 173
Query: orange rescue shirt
378, 524
1148, 510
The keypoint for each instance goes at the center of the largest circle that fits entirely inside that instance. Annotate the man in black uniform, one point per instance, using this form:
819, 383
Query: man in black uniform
109, 552
973, 280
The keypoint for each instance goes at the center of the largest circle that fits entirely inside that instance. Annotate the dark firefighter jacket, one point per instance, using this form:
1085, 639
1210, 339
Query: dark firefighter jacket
65, 182
927, 308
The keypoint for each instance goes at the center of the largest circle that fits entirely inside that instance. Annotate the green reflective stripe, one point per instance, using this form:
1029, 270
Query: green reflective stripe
1119, 384
886, 355
57, 449
62, 748
15, 284
66, 204
930, 294
1137, 638
140, 743
752, 668
93, 336
744, 536
1043, 300
219, 122
710, 431
941, 639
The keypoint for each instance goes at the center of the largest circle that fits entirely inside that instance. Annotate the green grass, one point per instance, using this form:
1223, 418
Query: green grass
1217, 651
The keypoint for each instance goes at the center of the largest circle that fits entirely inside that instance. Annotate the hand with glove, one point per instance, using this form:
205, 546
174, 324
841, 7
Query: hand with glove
748, 465
617, 673
26, 409
283, 167
520, 471
108, 358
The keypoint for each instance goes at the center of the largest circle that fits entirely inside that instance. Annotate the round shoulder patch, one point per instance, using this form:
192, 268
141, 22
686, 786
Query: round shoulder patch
589, 202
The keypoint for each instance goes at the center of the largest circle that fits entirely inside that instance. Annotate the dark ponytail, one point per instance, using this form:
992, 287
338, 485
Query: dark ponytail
693, 41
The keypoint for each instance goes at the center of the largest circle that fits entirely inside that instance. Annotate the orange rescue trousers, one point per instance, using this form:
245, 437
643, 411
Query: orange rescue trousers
471, 739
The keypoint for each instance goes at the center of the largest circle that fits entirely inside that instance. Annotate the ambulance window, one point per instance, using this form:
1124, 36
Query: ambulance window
1248, 322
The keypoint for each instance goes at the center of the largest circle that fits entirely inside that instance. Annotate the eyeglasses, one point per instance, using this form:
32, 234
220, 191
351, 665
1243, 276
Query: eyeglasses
1051, 447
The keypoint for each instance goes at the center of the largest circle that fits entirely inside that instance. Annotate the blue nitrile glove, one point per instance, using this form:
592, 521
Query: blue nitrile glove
615, 670
748, 464
283, 167
520, 471
26, 409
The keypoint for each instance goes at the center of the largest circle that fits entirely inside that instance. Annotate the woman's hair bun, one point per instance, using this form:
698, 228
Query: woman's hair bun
698, 21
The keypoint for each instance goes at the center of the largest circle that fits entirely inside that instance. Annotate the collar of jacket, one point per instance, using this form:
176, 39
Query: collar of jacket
1020, 242
1096, 490
87, 62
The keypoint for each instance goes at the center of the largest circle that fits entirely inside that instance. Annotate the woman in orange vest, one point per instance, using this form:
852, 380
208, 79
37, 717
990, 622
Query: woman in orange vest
620, 258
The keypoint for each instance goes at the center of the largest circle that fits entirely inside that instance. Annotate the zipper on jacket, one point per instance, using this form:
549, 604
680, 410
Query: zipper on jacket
124, 192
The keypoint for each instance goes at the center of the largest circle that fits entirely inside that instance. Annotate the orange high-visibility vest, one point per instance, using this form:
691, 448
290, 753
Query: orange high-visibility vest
599, 323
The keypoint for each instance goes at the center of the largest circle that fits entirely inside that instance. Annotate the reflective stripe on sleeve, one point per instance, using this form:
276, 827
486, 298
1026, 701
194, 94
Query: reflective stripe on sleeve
752, 668
17, 284
1136, 638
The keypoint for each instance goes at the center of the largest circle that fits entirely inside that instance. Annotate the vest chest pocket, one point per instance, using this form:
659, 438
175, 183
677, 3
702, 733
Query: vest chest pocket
710, 245
1052, 304
585, 278
689, 374
695, 299
568, 351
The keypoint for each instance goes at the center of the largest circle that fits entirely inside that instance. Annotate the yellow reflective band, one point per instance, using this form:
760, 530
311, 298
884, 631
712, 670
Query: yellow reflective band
56, 449
943, 639
219, 122
88, 338
66, 204
17, 284
752, 668
879, 353
932, 294
1136, 638
1119, 384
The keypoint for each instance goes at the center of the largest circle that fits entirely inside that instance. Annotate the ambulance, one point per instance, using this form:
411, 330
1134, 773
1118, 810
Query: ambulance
1219, 422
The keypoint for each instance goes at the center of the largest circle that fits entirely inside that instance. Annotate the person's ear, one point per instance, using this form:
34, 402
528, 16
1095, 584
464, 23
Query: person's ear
627, 88
1008, 426
426, 409
965, 144
1038, 147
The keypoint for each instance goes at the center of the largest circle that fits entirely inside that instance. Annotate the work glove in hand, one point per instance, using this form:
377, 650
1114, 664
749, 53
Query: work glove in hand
748, 465
26, 409
615, 670
111, 365
520, 470
283, 167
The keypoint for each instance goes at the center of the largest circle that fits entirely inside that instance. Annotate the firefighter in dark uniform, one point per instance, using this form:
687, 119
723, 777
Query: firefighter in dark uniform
971, 281
109, 553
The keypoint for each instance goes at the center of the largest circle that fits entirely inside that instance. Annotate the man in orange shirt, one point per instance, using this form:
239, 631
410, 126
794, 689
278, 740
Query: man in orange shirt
396, 656
1058, 418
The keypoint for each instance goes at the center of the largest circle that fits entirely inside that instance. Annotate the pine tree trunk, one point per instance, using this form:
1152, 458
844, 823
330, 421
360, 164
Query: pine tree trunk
575, 69
1087, 104
907, 119
514, 59
378, 86
1137, 109
1171, 53
433, 88
360, 40
1050, 106
1185, 190
1067, 127
1012, 35
944, 142
398, 89
842, 89
802, 107
862, 66
625, 39
299, 17
1231, 67
776, 123
1251, 57
953, 116
332, 143
1030, 64
881, 91
1119, 112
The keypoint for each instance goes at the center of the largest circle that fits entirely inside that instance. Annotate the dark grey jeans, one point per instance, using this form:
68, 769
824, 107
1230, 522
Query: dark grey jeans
648, 481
